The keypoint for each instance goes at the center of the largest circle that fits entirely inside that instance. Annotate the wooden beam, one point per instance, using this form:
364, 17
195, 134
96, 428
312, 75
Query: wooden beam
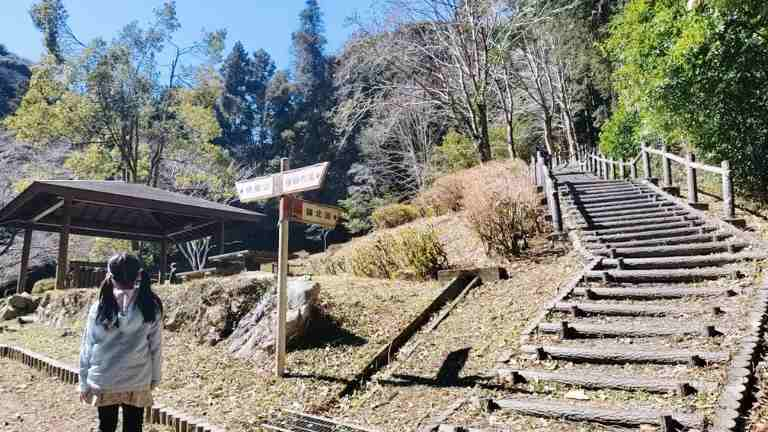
62, 264
23, 269
192, 228
48, 211
163, 260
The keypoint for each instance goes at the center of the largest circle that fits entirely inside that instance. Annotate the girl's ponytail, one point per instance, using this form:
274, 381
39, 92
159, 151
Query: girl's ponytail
148, 302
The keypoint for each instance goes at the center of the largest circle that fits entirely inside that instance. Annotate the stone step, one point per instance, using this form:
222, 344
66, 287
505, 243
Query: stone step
650, 293
646, 227
674, 250
664, 241
597, 212
578, 309
608, 354
582, 412
646, 221
618, 204
656, 234
668, 206
695, 261
662, 276
638, 216
593, 381
613, 198
569, 330
572, 194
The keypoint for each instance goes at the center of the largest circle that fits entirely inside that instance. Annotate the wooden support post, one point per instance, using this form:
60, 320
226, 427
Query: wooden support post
282, 279
728, 207
666, 167
557, 215
24, 268
163, 260
605, 169
646, 163
220, 237
613, 169
693, 193
62, 264
621, 168
633, 170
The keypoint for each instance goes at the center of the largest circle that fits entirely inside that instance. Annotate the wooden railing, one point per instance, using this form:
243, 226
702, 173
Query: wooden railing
543, 178
606, 168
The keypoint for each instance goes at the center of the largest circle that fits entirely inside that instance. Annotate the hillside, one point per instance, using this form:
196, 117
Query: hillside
14, 78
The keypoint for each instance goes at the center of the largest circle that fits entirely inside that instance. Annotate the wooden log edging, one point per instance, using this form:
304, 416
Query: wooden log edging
157, 414
389, 351
740, 392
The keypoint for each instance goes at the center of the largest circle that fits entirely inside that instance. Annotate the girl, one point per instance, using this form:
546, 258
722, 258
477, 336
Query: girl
120, 355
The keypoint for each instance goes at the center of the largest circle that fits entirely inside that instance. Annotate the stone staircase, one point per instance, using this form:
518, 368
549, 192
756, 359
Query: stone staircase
645, 337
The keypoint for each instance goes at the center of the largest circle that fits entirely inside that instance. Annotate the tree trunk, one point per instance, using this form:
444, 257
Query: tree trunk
484, 143
548, 131
511, 139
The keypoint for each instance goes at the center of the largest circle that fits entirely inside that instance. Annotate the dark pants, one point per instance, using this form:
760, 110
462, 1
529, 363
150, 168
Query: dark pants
133, 418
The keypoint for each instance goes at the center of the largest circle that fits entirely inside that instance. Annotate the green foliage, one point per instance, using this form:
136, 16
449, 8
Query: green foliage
95, 162
694, 77
457, 152
420, 252
620, 135
394, 215
104, 248
44, 285
409, 253
358, 208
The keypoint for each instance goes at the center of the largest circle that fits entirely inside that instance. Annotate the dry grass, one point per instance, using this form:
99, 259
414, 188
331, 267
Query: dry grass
485, 324
206, 382
42, 403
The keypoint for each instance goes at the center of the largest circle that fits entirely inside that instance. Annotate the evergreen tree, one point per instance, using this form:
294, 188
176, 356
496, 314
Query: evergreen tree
263, 70
234, 110
314, 86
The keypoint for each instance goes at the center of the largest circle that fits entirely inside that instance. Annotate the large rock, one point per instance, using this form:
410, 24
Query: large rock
210, 308
255, 333
8, 313
62, 309
24, 303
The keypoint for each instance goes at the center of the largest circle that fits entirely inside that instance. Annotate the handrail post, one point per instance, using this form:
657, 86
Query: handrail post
666, 167
728, 208
646, 163
539, 168
605, 168
613, 169
557, 216
621, 168
693, 193
532, 170
633, 169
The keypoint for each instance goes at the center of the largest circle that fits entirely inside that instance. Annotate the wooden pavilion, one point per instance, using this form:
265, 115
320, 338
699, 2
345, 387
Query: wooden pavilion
115, 209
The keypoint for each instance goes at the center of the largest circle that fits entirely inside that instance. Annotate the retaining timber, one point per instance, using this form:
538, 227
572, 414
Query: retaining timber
157, 414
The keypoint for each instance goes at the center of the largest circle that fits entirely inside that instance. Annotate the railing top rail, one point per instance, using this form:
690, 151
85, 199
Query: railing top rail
678, 159
684, 161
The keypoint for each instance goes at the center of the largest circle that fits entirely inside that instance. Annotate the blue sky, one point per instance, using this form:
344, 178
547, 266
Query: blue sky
266, 24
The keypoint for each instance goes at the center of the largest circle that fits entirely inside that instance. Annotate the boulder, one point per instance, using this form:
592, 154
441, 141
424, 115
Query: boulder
24, 303
255, 333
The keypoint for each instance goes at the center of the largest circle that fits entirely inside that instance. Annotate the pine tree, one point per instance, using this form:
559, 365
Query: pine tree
262, 72
234, 110
314, 86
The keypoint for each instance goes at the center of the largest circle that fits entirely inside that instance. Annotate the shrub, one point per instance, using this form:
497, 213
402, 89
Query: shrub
44, 285
501, 207
394, 215
413, 251
421, 253
456, 152
442, 197
374, 258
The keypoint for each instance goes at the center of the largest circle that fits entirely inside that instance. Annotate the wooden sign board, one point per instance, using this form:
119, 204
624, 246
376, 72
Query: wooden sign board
283, 183
313, 213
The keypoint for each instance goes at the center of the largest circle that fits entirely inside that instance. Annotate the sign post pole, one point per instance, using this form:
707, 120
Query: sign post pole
282, 279
284, 185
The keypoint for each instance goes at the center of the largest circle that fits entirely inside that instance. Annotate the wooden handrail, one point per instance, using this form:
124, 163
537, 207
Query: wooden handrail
685, 162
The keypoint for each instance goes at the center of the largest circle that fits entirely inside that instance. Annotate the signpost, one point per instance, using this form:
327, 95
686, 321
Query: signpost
282, 185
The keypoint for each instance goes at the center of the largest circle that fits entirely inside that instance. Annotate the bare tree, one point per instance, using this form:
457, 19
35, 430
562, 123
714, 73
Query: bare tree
196, 252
